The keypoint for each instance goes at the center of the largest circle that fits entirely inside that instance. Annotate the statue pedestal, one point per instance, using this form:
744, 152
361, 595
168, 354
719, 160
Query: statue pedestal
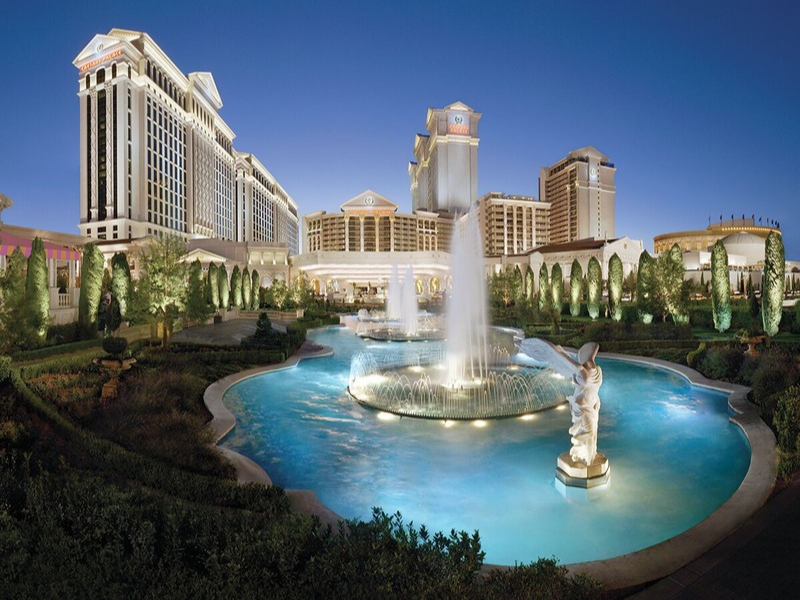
577, 474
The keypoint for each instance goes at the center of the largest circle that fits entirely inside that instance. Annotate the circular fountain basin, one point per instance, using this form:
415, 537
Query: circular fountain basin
675, 459
423, 391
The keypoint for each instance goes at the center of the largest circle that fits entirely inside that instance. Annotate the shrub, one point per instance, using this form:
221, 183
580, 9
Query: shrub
696, 356
787, 419
5, 368
722, 362
544, 578
775, 372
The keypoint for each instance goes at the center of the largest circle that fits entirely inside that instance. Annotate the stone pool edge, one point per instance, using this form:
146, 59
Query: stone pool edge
247, 470
624, 571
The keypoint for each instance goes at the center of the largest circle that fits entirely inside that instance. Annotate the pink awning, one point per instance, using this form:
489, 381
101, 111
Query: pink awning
9, 241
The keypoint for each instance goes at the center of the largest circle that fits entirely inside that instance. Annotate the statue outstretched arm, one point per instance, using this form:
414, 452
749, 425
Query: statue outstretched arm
555, 356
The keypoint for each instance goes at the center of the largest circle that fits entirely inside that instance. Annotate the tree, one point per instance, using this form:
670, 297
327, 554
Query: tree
672, 292
236, 286
720, 287
277, 294
529, 291
557, 288
91, 286
615, 281
213, 285
645, 288
224, 292
162, 289
121, 282
247, 289
16, 331
198, 309
544, 288
519, 286
575, 288
629, 286
255, 289
303, 292
594, 280
37, 290
502, 288
772, 285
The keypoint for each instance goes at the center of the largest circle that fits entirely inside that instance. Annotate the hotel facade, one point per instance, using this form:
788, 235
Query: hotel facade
156, 157
580, 190
349, 255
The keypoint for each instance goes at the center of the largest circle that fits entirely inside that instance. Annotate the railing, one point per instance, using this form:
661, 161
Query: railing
64, 300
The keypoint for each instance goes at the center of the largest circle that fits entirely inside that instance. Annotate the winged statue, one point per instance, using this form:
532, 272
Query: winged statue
584, 403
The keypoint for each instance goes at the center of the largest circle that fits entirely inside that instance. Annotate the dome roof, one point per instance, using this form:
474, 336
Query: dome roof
745, 245
743, 237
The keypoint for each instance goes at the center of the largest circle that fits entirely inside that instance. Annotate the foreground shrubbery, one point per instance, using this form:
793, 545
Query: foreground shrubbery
82, 515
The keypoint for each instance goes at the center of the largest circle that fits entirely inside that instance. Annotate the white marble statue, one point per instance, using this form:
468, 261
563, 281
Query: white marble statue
585, 400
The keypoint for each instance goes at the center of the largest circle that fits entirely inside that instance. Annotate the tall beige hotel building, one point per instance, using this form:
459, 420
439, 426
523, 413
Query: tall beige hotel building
157, 158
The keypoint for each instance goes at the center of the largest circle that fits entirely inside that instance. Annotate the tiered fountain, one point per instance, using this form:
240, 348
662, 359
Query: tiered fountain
470, 378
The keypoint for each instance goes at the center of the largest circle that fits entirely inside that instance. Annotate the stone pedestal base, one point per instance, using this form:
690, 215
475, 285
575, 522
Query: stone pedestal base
577, 474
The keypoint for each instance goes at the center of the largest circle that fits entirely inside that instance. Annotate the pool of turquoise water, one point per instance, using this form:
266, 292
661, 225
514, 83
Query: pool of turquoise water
675, 458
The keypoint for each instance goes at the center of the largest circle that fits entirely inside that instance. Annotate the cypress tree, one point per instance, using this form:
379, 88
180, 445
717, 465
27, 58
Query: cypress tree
644, 288
544, 288
121, 282
575, 285
772, 286
529, 283
615, 278
557, 287
224, 292
236, 286
213, 285
720, 287
594, 279
37, 291
255, 288
198, 310
519, 285
247, 289
91, 286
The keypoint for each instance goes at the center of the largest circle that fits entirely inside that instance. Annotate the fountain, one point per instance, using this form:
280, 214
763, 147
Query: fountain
472, 378
409, 306
402, 320
394, 299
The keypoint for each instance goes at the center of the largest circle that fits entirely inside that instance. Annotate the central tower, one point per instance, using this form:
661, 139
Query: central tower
444, 176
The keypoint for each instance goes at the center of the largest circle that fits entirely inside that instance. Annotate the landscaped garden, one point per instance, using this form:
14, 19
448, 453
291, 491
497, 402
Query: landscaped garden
124, 496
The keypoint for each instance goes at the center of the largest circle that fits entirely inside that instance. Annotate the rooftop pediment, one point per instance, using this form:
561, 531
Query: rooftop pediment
101, 48
458, 106
207, 83
368, 201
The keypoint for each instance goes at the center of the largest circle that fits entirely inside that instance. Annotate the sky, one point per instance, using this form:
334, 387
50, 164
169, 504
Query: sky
696, 103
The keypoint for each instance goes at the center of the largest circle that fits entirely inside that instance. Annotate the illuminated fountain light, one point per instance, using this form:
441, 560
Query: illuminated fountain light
415, 384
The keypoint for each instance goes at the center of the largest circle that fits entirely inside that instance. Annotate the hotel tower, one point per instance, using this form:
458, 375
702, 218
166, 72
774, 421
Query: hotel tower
580, 191
156, 158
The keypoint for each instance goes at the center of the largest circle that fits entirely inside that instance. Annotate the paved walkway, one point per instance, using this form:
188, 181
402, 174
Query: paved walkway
227, 333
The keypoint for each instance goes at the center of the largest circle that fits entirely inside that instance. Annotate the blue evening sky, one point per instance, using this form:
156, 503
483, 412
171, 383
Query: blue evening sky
696, 102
